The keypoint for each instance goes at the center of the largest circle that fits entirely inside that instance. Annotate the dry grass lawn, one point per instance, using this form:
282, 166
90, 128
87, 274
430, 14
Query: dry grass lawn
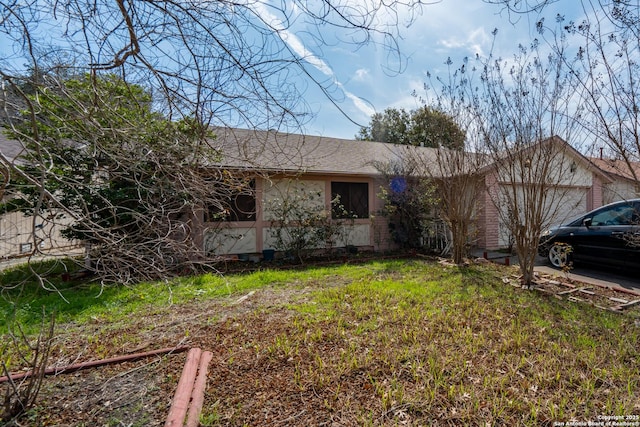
385, 343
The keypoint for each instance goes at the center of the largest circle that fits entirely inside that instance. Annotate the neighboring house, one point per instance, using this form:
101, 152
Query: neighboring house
282, 165
624, 182
21, 234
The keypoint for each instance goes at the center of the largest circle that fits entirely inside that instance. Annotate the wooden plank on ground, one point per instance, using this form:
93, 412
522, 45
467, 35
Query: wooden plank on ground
570, 291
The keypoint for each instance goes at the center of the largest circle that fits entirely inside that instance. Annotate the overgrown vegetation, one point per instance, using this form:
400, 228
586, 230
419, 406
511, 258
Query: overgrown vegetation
410, 203
125, 179
300, 225
20, 395
385, 343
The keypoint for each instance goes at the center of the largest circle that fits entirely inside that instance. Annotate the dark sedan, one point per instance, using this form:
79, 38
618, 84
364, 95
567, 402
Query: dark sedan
607, 235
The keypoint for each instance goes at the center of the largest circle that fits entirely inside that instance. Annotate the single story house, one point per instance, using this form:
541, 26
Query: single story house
289, 163
315, 170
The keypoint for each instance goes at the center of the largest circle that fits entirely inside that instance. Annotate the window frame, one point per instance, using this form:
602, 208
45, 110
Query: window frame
235, 205
356, 205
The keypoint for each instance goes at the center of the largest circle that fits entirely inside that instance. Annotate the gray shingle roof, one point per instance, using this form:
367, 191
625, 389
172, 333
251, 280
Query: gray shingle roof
285, 152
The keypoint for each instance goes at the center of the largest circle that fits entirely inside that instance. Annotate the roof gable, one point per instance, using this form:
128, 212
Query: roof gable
565, 148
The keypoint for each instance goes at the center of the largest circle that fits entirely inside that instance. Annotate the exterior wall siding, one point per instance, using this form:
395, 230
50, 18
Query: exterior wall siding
20, 234
315, 191
230, 240
619, 190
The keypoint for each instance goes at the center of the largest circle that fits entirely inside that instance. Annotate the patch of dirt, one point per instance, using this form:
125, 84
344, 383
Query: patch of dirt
127, 394
139, 393
272, 389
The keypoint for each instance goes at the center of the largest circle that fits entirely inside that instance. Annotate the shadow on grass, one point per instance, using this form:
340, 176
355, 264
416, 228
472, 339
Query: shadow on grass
28, 290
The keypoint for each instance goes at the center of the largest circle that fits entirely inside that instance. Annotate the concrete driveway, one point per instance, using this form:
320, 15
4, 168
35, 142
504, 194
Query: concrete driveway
600, 276
597, 276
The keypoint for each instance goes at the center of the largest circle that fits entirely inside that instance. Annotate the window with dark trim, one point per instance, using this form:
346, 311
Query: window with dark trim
353, 199
237, 207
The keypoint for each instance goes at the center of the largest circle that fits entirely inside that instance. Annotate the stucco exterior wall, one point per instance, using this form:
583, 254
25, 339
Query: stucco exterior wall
621, 189
230, 241
563, 169
310, 193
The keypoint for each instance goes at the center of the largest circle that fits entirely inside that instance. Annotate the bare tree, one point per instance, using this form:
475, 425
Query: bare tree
457, 174
457, 168
525, 109
440, 171
222, 63
605, 63
608, 66
455, 179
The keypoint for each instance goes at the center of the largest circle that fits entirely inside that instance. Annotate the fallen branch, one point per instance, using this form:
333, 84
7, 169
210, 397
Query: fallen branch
95, 363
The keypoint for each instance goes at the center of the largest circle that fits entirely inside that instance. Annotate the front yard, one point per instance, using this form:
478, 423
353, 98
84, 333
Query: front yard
402, 342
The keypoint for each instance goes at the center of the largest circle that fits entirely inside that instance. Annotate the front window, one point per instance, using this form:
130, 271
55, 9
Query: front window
352, 199
237, 207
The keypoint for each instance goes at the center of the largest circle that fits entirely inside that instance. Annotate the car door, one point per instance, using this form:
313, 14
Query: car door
603, 238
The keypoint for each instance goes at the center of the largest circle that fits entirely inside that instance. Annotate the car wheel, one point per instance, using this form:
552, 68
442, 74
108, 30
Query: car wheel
560, 255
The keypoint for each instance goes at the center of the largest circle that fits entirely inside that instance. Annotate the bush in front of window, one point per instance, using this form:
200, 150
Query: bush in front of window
300, 223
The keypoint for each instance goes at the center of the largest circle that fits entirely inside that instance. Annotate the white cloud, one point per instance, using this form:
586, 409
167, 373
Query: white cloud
361, 74
298, 47
475, 42
360, 104
301, 50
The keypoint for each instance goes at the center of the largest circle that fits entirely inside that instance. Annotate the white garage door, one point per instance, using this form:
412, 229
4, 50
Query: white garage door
566, 204
570, 203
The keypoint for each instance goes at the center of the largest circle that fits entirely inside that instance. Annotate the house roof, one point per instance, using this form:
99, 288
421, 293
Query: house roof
273, 151
619, 168
286, 152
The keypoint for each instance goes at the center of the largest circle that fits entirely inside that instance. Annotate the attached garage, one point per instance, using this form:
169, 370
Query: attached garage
575, 187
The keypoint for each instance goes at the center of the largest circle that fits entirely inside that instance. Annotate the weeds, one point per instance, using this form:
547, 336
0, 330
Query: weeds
393, 343
426, 345
20, 395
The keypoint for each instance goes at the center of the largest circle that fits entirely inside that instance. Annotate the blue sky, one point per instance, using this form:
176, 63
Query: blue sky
451, 28
358, 80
